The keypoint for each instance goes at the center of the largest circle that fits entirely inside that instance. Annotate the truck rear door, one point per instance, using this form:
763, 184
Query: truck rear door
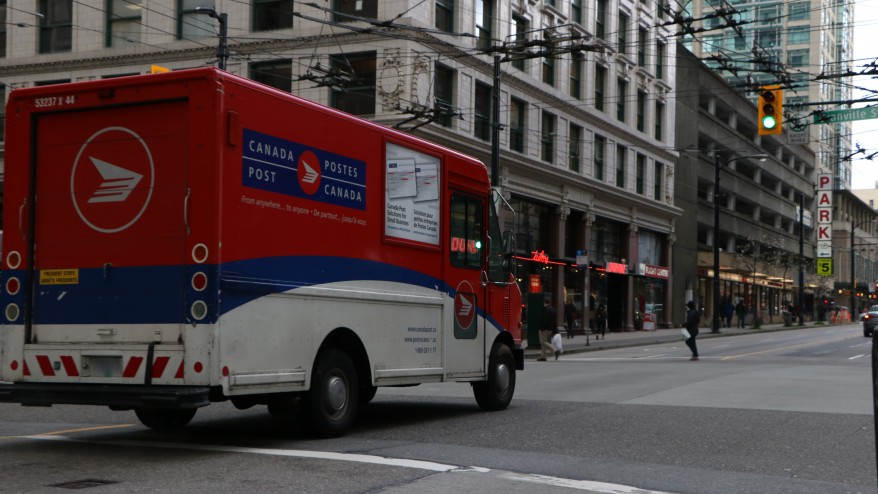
109, 191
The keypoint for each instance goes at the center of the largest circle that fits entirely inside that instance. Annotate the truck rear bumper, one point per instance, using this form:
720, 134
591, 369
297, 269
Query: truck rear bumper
113, 396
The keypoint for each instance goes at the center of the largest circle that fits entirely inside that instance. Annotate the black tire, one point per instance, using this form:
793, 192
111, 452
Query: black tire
367, 392
496, 393
331, 404
164, 420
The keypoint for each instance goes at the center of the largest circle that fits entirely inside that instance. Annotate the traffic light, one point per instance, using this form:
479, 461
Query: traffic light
770, 110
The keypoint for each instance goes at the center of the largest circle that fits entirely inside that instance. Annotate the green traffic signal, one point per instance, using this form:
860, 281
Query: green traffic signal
769, 122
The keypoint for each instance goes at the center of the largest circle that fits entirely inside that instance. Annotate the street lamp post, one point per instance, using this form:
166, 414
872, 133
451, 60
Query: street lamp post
716, 169
222, 51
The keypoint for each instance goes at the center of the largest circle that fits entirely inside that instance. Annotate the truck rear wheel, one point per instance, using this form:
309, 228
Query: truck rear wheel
496, 392
165, 420
331, 404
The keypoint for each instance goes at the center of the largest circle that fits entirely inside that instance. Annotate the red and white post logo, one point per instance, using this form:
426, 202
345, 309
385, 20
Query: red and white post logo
112, 179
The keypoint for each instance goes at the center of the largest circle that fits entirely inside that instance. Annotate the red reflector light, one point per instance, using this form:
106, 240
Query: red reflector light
199, 367
12, 286
225, 371
14, 365
199, 281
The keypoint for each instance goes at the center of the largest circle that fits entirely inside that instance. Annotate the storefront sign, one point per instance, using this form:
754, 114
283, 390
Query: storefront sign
536, 285
824, 224
617, 267
653, 271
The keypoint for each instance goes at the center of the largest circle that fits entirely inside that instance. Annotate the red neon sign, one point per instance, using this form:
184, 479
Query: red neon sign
617, 268
540, 256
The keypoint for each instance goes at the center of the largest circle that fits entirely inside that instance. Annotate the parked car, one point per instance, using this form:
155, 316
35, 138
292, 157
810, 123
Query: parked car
870, 320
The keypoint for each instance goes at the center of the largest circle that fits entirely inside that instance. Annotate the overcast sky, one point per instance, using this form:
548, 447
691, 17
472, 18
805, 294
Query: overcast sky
865, 172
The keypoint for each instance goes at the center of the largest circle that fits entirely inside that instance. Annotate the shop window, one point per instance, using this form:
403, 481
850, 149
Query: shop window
56, 26
482, 117
355, 92
123, 22
276, 73
269, 15
517, 109
443, 95
445, 15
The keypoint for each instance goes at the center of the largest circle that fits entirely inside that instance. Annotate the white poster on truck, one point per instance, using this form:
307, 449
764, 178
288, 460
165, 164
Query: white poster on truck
411, 210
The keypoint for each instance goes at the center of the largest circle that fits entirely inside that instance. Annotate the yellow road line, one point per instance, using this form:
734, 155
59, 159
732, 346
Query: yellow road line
785, 348
70, 431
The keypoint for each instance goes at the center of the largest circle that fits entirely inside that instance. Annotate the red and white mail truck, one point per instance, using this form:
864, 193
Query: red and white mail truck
192, 237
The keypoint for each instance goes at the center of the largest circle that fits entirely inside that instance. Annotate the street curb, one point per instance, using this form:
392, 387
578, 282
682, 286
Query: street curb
534, 353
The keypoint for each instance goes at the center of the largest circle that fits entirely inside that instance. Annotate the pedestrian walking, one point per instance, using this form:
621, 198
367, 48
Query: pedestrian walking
601, 321
548, 328
741, 311
569, 316
729, 310
693, 318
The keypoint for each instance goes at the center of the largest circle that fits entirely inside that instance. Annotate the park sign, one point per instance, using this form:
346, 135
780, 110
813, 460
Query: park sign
824, 224
836, 116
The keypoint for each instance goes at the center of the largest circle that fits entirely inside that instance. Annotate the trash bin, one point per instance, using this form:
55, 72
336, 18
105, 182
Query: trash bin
787, 318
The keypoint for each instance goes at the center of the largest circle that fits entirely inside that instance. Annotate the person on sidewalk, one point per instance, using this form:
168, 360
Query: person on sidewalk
601, 321
693, 318
741, 311
569, 316
548, 328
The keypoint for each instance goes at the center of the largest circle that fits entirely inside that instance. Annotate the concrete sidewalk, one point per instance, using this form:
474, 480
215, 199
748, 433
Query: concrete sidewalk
583, 343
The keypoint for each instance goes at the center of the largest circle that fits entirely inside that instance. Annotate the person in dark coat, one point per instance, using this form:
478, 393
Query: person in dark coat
601, 321
741, 310
693, 318
548, 328
569, 317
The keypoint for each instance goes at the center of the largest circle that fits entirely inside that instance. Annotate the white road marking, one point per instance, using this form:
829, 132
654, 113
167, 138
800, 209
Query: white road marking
857, 356
582, 485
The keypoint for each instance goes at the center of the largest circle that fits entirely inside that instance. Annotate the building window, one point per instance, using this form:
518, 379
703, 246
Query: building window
622, 34
357, 94
191, 24
660, 49
799, 35
640, 174
482, 117
576, 64
600, 151
798, 58
2, 41
445, 15
517, 109
659, 120
123, 22
547, 138
621, 91
56, 26
269, 15
549, 68
799, 11
576, 11
600, 82
641, 111
484, 18
520, 25
600, 21
443, 95
574, 146
658, 181
642, 40
621, 158
275, 73
357, 8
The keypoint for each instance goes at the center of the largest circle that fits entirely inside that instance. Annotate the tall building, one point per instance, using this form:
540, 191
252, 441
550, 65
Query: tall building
804, 45
585, 133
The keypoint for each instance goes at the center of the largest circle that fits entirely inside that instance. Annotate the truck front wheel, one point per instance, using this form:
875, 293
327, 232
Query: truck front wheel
496, 392
164, 420
331, 404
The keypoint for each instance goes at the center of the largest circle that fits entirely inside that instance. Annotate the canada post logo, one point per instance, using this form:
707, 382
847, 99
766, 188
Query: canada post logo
112, 179
286, 167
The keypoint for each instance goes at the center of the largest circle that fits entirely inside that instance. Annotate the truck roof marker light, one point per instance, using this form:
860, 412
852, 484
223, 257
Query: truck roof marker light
199, 281
199, 310
199, 253
13, 285
13, 259
12, 312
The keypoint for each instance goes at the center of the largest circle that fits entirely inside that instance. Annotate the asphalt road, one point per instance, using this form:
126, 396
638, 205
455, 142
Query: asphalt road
787, 412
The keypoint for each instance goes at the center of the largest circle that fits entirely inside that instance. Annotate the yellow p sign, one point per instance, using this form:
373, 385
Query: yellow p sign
824, 266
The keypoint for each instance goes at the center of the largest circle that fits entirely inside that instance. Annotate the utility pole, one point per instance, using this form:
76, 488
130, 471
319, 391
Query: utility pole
222, 51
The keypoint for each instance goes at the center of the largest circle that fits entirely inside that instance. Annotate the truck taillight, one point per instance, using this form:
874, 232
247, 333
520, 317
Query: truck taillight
199, 281
199, 253
13, 260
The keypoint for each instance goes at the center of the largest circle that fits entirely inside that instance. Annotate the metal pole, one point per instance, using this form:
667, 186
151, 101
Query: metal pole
715, 326
853, 307
222, 52
495, 126
801, 259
